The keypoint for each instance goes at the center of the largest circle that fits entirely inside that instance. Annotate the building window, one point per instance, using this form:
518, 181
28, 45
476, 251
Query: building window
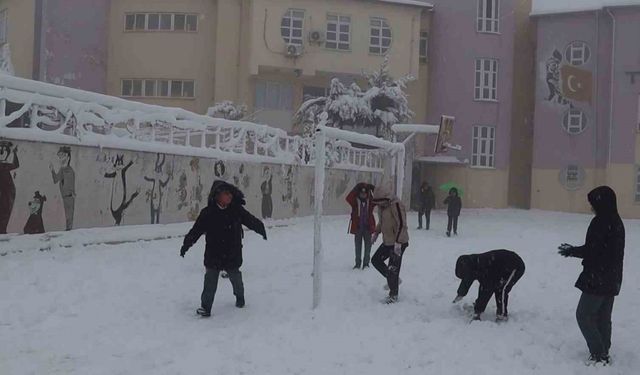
292, 26
572, 177
577, 53
488, 16
158, 88
338, 32
637, 184
424, 44
312, 92
380, 36
486, 79
161, 22
276, 96
3, 25
484, 150
574, 121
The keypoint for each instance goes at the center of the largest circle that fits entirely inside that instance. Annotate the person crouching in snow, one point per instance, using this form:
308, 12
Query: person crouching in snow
497, 272
395, 239
222, 221
362, 224
454, 206
601, 278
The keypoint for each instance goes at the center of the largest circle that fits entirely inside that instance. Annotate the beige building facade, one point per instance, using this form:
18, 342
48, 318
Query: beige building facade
267, 54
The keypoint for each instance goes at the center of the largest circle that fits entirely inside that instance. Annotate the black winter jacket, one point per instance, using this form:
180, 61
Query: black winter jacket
223, 228
492, 270
427, 198
454, 203
603, 252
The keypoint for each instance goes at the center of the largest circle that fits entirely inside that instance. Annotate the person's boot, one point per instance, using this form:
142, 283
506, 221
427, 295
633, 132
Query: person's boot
203, 312
448, 234
501, 318
419, 227
390, 300
366, 265
239, 302
357, 266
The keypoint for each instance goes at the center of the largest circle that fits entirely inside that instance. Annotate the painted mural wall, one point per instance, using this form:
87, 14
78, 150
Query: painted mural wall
50, 187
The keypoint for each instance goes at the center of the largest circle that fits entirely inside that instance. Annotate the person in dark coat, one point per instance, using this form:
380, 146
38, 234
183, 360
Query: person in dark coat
222, 221
601, 278
454, 206
497, 272
427, 203
362, 224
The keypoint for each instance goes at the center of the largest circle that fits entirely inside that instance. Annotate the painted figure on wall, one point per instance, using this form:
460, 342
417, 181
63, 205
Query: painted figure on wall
156, 192
219, 169
553, 79
267, 190
66, 178
288, 184
35, 224
182, 191
196, 190
119, 188
8, 163
241, 179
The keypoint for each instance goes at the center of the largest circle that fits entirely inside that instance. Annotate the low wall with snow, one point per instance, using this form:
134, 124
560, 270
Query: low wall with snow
93, 187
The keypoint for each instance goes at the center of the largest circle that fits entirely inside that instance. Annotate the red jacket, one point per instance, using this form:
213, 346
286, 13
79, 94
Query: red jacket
353, 201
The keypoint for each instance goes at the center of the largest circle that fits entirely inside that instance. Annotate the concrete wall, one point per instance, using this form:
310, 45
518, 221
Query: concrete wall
20, 34
178, 186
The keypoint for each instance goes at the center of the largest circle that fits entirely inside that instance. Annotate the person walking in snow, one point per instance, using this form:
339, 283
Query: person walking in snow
601, 278
395, 239
222, 221
454, 206
497, 272
427, 202
362, 224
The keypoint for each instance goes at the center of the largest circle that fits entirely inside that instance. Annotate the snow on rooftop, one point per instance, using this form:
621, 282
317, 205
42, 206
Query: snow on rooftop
542, 7
417, 3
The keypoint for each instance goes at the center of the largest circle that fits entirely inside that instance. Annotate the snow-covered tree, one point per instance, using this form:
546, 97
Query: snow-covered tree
387, 99
228, 110
383, 104
6, 66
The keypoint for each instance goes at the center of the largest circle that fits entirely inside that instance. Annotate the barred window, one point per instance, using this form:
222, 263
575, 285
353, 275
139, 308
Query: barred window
483, 146
338, 32
292, 26
161, 22
380, 36
486, 86
158, 88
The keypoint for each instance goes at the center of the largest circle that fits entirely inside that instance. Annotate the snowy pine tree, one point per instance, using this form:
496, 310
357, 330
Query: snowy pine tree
383, 104
387, 100
228, 110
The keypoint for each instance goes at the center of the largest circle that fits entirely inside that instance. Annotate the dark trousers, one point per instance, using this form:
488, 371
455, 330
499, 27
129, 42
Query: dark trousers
360, 237
453, 222
392, 271
594, 319
211, 285
502, 294
427, 215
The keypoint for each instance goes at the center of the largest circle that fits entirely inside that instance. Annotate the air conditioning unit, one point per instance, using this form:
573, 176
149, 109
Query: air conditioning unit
316, 36
293, 50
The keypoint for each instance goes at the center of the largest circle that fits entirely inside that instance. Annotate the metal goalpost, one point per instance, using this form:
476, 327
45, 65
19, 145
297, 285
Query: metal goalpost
397, 154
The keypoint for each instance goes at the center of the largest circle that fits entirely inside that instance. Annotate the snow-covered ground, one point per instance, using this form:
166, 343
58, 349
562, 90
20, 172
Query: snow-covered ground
130, 308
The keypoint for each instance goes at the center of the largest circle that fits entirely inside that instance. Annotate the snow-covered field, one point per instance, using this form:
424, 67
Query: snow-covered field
130, 308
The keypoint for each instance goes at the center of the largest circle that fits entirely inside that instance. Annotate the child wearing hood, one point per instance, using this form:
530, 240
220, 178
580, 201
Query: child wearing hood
601, 278
222, 221
454, 206
497, 272
395, 239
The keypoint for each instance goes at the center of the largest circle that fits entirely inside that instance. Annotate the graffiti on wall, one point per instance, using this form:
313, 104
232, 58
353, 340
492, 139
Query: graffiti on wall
8, 163
155, 193
266, 188
65, 177
35, 223
119, 200
567, 82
